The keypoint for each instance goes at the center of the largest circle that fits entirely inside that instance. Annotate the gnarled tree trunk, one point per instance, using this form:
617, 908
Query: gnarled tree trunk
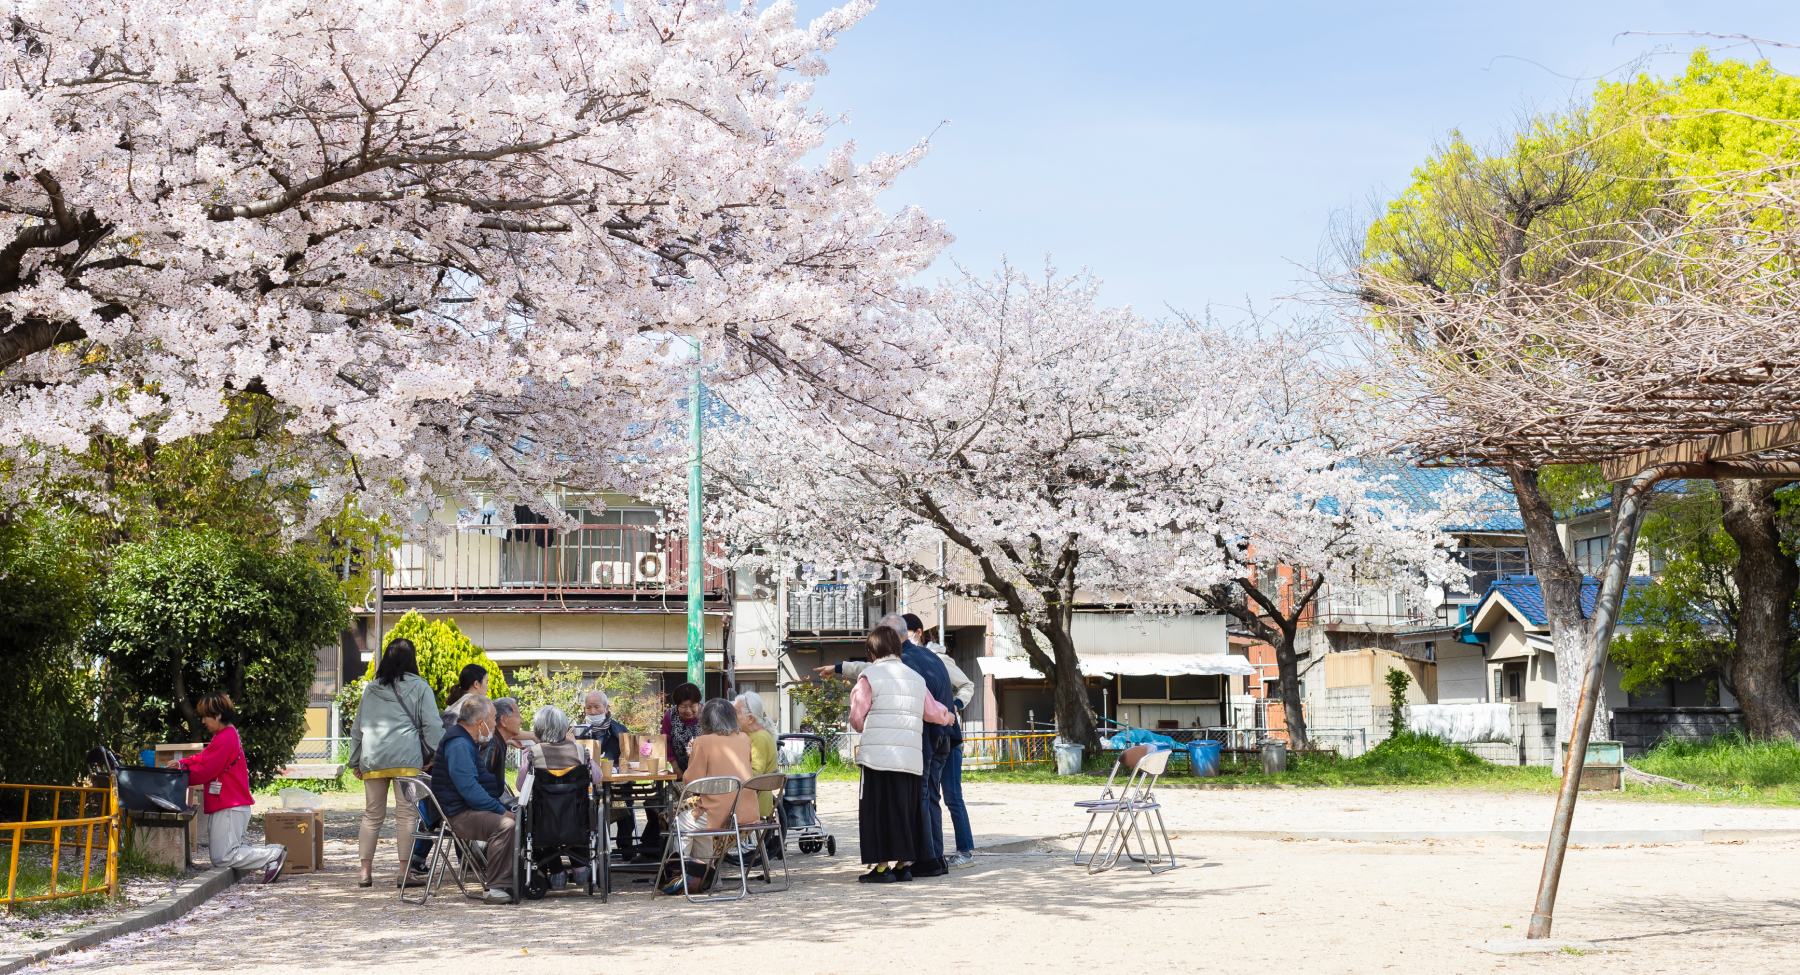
1766, 578
1559, 580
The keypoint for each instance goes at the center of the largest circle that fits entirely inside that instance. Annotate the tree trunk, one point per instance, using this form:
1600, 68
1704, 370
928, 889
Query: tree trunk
1068, 687
1287, 664
1766, 578
1559, 580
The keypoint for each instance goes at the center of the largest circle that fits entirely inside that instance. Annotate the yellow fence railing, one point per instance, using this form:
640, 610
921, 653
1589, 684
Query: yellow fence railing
1004, 749
80, 818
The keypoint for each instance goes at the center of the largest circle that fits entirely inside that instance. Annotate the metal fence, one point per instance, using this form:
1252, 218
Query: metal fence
76, 819
612, 559
1006, 749
317, 751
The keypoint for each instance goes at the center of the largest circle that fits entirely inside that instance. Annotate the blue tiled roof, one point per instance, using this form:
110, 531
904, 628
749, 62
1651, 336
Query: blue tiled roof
1527, 597
1494, 511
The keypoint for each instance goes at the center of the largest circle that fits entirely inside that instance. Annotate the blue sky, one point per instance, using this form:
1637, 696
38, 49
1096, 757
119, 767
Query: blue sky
1192, 154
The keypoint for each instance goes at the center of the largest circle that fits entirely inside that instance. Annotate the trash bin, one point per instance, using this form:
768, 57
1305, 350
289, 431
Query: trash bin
1068, 758
1203, 757
1274, 757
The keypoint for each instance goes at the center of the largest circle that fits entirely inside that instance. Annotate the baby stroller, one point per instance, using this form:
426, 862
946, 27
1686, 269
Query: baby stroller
799, 804
559, 833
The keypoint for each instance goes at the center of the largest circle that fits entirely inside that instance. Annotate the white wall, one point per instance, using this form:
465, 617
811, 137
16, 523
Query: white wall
1124, 633
1462, 673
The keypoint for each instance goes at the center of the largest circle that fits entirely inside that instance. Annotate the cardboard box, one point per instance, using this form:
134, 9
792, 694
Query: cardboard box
302, 831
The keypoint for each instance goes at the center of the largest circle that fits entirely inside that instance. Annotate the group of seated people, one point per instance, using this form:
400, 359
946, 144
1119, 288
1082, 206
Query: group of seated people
468, 774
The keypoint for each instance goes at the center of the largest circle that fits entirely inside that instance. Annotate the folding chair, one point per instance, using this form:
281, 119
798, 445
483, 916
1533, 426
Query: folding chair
712, 785
1128, 758
415, 790
758, 832
1127, 816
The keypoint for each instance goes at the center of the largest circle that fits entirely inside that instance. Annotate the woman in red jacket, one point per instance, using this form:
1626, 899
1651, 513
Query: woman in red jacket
221, 769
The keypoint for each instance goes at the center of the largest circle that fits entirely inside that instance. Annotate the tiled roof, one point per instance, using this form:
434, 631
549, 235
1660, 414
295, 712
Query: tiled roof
1418, 487
1527, 597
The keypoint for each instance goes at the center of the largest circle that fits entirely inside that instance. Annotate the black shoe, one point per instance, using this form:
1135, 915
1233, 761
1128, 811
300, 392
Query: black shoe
878, 877
903, 874
930, 868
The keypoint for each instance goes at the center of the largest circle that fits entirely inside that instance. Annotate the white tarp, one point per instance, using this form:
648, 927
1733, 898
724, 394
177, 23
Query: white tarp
1462, 723
1130, 664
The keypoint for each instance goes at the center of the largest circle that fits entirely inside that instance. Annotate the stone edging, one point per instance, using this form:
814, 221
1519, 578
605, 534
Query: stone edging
1590, 837
182, 899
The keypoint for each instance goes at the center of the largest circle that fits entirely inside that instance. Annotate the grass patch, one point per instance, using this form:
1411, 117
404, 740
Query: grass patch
339, 784
33, 880
1731, 765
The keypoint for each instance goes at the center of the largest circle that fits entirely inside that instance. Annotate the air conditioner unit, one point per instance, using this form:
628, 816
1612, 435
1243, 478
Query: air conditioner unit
610, 573
652, 567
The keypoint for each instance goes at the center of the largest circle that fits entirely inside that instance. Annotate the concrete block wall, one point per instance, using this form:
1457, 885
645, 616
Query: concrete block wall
1639, 729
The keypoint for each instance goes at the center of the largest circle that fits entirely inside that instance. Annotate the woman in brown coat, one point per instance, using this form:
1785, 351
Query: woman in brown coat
721, 749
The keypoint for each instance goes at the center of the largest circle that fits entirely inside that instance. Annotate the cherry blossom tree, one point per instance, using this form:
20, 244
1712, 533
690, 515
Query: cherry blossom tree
1069, 454
451, 241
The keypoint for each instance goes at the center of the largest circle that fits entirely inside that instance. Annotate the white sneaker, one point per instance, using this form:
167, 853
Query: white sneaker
959, 860
496, 897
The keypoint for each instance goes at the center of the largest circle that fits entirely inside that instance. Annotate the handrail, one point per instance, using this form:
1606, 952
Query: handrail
57, 824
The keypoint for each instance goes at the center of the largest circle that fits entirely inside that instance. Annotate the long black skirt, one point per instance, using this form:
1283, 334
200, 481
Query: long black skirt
889, 816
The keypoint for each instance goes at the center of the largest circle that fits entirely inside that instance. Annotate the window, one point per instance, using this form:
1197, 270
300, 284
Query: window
1182, 687
1489, 564
1499, 686
1590, 554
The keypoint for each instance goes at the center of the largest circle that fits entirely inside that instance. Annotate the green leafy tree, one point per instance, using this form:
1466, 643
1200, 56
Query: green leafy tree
1684, 625
190, 612
568, 688
443, 651
827, 703
46, 601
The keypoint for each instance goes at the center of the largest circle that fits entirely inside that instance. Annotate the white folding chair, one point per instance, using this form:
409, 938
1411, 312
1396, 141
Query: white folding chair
712, 785
415, 789
1127, 817
758, 832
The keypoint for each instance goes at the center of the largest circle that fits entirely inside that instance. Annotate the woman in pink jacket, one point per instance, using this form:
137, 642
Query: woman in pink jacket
226, 777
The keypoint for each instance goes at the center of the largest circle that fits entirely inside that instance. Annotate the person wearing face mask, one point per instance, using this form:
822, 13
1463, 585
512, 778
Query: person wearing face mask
597, 723
471, 796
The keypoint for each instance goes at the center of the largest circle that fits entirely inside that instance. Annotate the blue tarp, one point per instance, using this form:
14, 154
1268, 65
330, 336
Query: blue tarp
1138, 736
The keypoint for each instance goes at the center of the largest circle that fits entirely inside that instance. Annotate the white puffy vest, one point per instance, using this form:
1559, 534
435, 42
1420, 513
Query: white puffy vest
896, 721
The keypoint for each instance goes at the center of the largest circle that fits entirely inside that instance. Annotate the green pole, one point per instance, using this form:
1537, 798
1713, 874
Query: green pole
696, 605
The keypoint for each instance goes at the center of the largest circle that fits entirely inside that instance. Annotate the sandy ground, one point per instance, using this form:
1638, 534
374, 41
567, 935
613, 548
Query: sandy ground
1235, 904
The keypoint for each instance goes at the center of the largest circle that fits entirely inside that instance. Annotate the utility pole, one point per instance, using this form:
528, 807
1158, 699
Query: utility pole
696, 597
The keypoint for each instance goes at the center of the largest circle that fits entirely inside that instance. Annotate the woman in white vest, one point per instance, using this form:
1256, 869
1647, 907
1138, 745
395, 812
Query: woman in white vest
890, 706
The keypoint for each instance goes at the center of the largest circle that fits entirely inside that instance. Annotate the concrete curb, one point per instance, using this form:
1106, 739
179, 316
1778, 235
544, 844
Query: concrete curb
181, 900
1588, 837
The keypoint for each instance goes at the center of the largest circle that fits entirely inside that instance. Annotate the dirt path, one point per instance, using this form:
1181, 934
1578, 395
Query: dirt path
1236, 906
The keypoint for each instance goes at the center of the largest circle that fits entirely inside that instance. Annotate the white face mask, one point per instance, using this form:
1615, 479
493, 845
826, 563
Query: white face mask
486, 735
598, 718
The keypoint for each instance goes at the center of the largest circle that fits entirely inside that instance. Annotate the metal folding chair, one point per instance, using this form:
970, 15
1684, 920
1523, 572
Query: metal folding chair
758, 832
719, 833
1127, 817
415, 790
1106, 800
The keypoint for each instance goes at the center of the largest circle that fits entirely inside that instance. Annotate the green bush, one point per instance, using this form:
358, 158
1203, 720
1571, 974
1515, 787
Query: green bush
1411, 755
46, 602
190, 612
568, 688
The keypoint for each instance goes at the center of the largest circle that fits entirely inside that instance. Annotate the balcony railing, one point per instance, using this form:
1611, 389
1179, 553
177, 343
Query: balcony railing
830, 606
535, 559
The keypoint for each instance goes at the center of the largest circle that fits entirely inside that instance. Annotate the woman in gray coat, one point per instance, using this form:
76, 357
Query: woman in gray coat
396, 726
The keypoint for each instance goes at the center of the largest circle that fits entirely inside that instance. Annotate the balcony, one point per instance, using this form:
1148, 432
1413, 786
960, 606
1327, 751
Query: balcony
832, 606
534, 560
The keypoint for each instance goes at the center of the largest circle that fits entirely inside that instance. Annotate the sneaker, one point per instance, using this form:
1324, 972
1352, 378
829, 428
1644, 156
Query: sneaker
273, 871
960, 859
878, 876
498, 895
903, 875
930, 868
580, 877
557, 880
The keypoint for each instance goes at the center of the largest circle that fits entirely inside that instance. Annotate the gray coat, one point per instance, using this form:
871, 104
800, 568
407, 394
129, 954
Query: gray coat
383, 736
